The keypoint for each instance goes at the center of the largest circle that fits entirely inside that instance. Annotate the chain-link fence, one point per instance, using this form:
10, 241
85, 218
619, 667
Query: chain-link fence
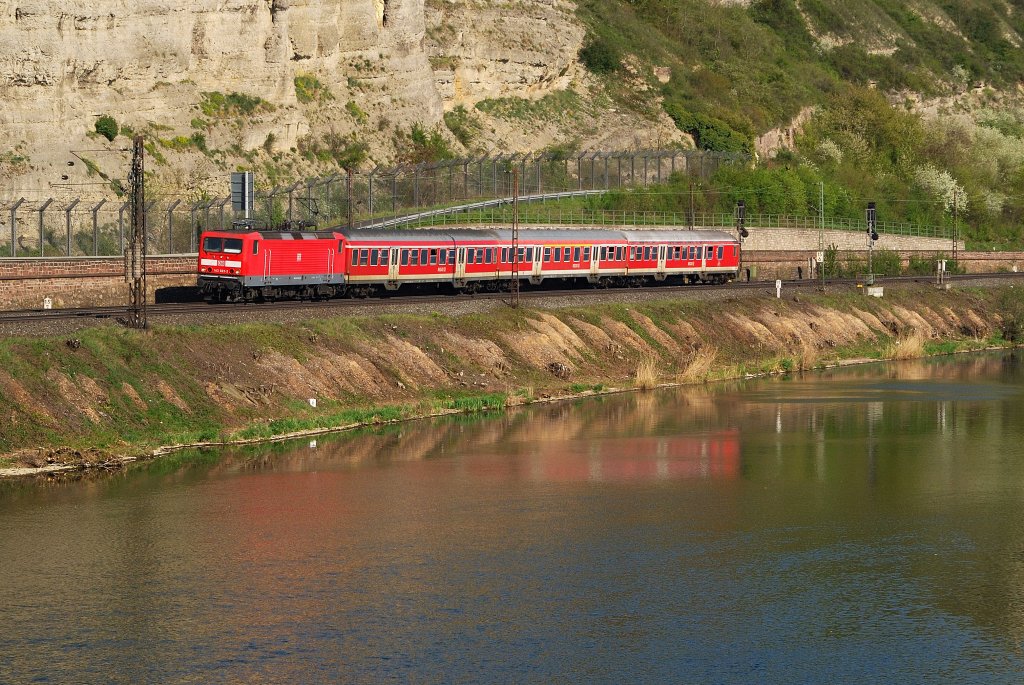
58, 228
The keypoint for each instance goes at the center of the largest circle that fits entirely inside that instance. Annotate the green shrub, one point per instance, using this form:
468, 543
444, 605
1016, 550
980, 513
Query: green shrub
424, 146
346, 151
309, 89
885, 263
214, 104
709, 133
356, 112
106, 126
600, 56
463, 125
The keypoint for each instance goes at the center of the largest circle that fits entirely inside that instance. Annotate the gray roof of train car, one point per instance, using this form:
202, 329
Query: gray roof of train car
434, 234
356, 235
567, 235
671, 236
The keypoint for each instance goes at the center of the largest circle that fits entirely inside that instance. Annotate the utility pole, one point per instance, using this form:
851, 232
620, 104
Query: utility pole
956, 222
348, 194
514, 300
691, 205
872, 237
135, 255
821, 232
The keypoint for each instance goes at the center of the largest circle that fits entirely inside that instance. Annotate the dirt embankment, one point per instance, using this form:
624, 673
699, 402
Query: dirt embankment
112, 391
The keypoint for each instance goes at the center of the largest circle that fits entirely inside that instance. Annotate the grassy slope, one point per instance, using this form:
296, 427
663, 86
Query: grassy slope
125, 391
737, 72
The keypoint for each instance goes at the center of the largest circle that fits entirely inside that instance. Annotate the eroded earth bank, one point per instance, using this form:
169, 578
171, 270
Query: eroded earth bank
109, 393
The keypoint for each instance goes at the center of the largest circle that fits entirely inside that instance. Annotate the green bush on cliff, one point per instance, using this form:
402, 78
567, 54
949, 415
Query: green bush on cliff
106, 126
708, 132
600, 56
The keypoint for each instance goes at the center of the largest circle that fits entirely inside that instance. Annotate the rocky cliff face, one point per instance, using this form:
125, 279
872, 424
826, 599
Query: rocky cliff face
378, 66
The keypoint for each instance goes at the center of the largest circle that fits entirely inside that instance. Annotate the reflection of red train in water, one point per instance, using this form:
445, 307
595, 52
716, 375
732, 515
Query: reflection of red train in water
250, 264
676, 457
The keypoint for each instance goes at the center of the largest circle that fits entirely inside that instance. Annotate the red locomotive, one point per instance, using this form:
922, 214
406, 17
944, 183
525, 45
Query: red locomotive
249, 265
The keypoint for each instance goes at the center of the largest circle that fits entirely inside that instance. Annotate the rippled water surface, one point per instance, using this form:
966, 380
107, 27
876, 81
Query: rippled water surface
862, 526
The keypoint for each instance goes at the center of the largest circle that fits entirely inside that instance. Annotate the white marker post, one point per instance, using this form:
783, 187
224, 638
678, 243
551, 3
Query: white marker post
778, 288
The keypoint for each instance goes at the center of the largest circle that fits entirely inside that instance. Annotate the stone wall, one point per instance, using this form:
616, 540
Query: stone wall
85, 281
769, 239
768, 265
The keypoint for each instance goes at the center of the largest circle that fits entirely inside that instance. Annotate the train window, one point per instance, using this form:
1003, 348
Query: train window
433, 256
575, 254
490, 255
521, 255
211, 244
405, 258
556, 254
414, 257
423, 256
451, 256
255, 247
675, 252
547, 254
373, 257
355, 257
586, 254
233, 245
384, 257
693, 252
364, 256
565, 254
529, 254
720, 248
620, 253
711, 252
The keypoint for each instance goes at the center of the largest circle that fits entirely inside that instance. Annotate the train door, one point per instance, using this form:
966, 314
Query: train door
266, 265
460, 264
393, 266
538, 253
595, 262
661, 262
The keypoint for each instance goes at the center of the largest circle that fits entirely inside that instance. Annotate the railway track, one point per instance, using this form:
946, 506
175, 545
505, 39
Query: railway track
172, 308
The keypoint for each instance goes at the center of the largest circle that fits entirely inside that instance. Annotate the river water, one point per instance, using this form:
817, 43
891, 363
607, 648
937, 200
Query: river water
858, 526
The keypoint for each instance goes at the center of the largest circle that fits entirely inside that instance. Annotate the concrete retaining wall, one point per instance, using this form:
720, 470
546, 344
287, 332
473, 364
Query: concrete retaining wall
774, 239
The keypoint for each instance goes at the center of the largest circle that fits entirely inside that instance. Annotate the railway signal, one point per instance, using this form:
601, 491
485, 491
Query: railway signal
872, 237
741, 219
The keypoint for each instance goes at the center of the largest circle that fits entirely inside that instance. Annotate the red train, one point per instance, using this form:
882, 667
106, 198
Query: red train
250, 265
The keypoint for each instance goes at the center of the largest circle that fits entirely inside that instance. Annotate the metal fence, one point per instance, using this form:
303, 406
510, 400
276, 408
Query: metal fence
471, 191
74, 227
498, 213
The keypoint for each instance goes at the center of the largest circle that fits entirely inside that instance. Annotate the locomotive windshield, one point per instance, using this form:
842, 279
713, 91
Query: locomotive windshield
229, 245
